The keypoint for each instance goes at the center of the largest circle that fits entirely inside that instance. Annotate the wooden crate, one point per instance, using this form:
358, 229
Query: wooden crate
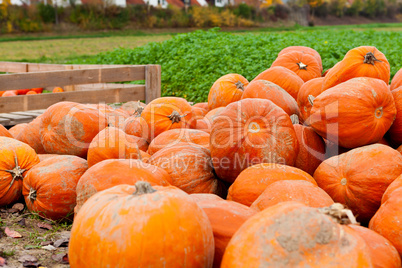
82, 83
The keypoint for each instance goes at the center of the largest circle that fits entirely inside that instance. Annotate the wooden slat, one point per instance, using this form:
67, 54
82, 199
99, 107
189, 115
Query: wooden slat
13, 67
102, 86
4, 121
29, 113
43, 101
41, 67
71, 77
152, 82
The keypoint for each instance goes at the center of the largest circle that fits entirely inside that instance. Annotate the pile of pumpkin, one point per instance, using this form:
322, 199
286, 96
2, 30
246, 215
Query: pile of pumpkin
29, 91
276, 172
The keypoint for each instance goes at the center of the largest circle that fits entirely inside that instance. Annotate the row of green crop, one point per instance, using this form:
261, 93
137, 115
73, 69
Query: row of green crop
192, 62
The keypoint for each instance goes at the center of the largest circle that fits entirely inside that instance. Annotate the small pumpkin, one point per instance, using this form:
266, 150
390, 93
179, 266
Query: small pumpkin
136, 126
202, 105
205, 123
308, 91
306, 50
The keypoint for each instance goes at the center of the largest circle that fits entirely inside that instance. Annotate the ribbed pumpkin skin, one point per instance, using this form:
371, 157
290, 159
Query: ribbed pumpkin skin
312, 87
383, 253
136, 126
396, 184
46, 156
202, 105
4, 132
253, 181
283, 77
69, 127
334, 117
290, 234
387, 220
263, 89
248, 132
10, 149
198, 114
352, 66
395, 131
301, 191
311, 149
109, 173
31, 135
304, 65
158, 111
225, 90
360, 177
305, 50
54, 181
113, 143
15, 130
190, 168
172, 229
174, 136
206, 123
225, 217
396, 80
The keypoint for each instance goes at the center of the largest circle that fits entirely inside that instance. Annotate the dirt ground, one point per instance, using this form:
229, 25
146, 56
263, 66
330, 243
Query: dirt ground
37, 243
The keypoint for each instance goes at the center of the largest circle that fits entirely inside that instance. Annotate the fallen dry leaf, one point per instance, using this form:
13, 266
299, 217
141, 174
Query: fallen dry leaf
45, 243
49, 247
61, 258
45, 226
20, 207
31, 264
27, 257
22, 222
61, 243
11, 233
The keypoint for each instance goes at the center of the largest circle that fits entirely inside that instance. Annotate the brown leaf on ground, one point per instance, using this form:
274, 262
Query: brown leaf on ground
61, 258
61, 242
11, 233
20, 207
44, 226
22, 222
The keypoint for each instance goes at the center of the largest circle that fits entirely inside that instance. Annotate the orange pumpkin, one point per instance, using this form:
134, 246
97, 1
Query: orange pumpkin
304, 65
395, 131
113, 143
136, 126
396, 184
15, 130
174, 136
112, 172
311, 88
190, 168
46, 156
248, 132
49, 187
360, 177
31, 135
225, 217
10, 93
57, 90
334, 117
202, 105
31, 93
133, 107
386, 221
198, 114
383, 253
283, 77
17, 158
139, 226
167, 113
305, 50
253, 181
225, 90
396, 80
301, 191
291, 234
364, 61
4, 132
263, 89
69, 128
206, 123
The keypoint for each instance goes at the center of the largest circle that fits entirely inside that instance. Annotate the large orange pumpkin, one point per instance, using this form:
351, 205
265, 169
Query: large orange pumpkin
304, 65
175, 136
31, 135
360, 177
253, 181
396, 80
69, 128
225, 90
190, 168
4, 132
292, 190
50, 187
225, 217
364, 61
387, 220
291, 234
167, 113
112, 172
113, 143
312, 88
395, 131
283, 77
206, 123
354, 113
263, 89
136, 126
17, 158
305, 50
141, 226
248, 132
17, 129
396, 184
202, 105
383, 253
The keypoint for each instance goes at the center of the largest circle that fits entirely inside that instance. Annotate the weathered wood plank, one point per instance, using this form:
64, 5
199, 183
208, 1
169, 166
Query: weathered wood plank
42, 67
4, 121
71, 77
13, 67
152, 82
43, 101
28, 113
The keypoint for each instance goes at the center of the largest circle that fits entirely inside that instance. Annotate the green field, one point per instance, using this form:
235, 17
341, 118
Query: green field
191, 62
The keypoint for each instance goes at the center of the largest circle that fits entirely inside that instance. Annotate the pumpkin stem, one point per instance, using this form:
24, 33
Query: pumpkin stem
32, 194
295, 119
239, 85
339, 213
302, 66
176, 117
143, 187
369, 58
17, 172
311, 99
139, 110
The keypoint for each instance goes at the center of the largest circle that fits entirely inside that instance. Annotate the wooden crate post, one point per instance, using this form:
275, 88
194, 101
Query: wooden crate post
152, 82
